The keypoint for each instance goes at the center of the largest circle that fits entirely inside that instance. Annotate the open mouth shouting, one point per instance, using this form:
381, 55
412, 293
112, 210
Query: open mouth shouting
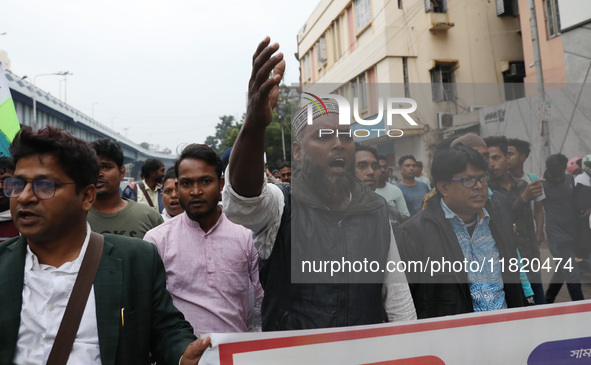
338, 165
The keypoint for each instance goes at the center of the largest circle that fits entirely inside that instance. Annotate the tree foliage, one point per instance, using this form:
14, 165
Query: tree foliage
226, 132
218, 142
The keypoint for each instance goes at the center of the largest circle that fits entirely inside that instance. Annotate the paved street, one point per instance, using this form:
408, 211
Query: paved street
563, 295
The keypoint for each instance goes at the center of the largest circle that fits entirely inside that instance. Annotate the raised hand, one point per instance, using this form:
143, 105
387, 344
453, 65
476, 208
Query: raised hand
246, 161
263, 90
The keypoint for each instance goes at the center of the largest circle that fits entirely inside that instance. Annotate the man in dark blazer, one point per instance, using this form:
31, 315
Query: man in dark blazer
459, 226
129, 314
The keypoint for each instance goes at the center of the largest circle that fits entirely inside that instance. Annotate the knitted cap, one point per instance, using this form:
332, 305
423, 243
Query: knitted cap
301, 119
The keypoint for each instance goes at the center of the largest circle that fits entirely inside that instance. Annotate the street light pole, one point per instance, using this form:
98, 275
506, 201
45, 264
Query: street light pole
544, 131
65, 80
34, 95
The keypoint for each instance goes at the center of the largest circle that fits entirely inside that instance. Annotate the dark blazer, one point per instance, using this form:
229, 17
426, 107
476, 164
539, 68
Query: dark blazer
429, 235
131, 276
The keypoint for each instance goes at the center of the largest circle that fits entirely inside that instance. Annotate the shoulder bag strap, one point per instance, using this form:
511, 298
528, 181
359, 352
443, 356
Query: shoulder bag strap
141, 184
62, 346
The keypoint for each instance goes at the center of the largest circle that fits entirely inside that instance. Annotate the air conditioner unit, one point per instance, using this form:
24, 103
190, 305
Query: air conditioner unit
445, 120
517, 70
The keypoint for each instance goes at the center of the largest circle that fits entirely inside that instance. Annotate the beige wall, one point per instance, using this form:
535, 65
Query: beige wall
550, 49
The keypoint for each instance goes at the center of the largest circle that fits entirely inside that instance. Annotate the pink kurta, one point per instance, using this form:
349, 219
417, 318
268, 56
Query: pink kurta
208, 274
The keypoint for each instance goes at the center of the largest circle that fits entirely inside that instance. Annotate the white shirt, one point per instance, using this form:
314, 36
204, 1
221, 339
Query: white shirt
153, 194
165, 215
583, 179
46, 292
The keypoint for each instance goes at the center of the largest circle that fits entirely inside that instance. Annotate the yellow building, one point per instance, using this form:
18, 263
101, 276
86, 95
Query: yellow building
450, 56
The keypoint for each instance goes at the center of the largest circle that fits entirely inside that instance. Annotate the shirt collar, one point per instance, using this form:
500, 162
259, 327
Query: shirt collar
156, 188
195, 224
449, 214
32, 262
165, 214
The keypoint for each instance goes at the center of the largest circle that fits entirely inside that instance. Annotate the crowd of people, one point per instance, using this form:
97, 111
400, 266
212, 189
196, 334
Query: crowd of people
217, 244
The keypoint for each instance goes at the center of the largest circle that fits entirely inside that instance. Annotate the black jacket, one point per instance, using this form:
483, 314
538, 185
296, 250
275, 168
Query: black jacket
317, 301
429, 235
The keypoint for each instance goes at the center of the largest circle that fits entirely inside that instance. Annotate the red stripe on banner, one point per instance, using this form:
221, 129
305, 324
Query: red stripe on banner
422, 360
227, 350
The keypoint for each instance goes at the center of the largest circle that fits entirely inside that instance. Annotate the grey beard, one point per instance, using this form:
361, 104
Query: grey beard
333, 190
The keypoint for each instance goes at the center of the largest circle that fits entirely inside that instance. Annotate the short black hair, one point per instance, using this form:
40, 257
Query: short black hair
555, 165
170, 174
362, 147
285, 164
6, 163
76, 157
110, 149
406, 157
200, 152
382, 157
419, 163
498, 141
520, 145
151, 165
452, 160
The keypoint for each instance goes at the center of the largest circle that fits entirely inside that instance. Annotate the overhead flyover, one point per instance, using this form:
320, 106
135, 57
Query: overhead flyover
54, 112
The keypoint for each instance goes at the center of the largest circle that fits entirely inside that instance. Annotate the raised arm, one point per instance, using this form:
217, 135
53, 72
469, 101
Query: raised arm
246, 161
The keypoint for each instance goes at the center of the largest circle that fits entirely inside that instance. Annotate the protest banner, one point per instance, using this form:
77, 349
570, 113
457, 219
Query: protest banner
545, 334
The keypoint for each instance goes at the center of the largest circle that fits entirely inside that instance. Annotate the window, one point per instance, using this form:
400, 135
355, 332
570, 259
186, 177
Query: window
436, 6
321, 50
443, 80
399, 4
405, 77
513, 80
306, 67
336, 38
507, 8
552, 18
362, 14
359, 90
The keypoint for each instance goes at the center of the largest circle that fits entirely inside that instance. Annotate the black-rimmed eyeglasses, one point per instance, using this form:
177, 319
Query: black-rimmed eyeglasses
470, 181
42, 188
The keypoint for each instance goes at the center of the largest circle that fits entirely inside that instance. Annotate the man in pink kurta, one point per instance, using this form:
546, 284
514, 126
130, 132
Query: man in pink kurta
210, 262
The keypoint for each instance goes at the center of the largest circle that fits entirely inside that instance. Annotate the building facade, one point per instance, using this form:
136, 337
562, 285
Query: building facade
451, 56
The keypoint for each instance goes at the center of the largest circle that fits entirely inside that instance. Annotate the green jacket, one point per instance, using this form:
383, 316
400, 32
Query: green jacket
131, 276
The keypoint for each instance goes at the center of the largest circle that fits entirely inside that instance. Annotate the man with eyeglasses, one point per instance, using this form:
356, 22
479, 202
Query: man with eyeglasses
110, 213
128, 317
459, 226
7, 227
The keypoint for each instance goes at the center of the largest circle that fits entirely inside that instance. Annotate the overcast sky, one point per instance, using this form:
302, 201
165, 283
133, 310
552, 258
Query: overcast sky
164, 70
